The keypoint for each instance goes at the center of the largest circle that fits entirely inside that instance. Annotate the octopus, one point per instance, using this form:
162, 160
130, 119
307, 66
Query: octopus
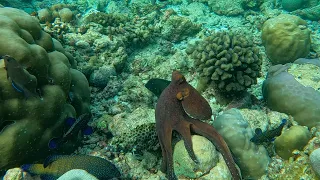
181, 108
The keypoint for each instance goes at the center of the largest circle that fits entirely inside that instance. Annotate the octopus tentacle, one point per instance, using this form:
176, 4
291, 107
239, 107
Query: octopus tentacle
165, 138
210, 133
184, 131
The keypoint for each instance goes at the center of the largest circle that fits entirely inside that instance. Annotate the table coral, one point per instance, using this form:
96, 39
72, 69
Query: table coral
36, 120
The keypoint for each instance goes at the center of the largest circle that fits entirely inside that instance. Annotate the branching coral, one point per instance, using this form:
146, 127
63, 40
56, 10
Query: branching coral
228, 59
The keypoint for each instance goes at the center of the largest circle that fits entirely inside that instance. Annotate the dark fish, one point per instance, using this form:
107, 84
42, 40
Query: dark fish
75, 125
156, 86
55, 166
21, 80
267, 136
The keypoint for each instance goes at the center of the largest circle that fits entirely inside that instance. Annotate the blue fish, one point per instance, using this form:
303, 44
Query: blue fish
269, 135
74, 126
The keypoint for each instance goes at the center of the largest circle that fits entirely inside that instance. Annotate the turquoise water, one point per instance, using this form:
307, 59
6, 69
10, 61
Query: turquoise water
184, 89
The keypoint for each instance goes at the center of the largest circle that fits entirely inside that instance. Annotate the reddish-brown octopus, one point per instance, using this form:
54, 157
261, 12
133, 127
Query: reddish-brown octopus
180, 107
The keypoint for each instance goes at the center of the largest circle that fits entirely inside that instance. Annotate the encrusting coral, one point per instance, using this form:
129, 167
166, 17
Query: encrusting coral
228, 59
35, 120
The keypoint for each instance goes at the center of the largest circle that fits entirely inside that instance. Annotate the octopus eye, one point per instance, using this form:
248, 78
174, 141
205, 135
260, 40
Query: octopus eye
183, 94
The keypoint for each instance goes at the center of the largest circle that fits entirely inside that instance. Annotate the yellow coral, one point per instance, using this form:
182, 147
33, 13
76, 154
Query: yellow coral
286, 38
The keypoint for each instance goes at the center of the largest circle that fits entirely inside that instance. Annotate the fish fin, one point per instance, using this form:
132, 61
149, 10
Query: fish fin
15, 86
26, 167
47, 177
156, 86
258, 131
51, 159
87, 130
70, 121
54, 143
284, 121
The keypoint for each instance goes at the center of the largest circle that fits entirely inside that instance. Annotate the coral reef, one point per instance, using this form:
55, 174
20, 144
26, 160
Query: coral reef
296, 137
62, 11
227, 7
291, 5
284, 93
286, 38
252, 159
177, 28
36, 120
230, 60
129, 31
311, 13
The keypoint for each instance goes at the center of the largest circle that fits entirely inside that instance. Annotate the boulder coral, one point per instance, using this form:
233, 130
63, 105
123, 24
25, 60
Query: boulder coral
296, 137
315, 161
35, 120
286, 38
253, 160
285, 94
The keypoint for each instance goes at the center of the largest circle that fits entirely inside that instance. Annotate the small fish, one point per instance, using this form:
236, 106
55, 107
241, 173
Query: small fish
55, 166
21, 80
267, 136
75, 125
156, 86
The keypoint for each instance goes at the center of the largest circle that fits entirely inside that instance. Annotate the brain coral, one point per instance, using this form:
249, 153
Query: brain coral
34, 121
228, 59
286, 38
